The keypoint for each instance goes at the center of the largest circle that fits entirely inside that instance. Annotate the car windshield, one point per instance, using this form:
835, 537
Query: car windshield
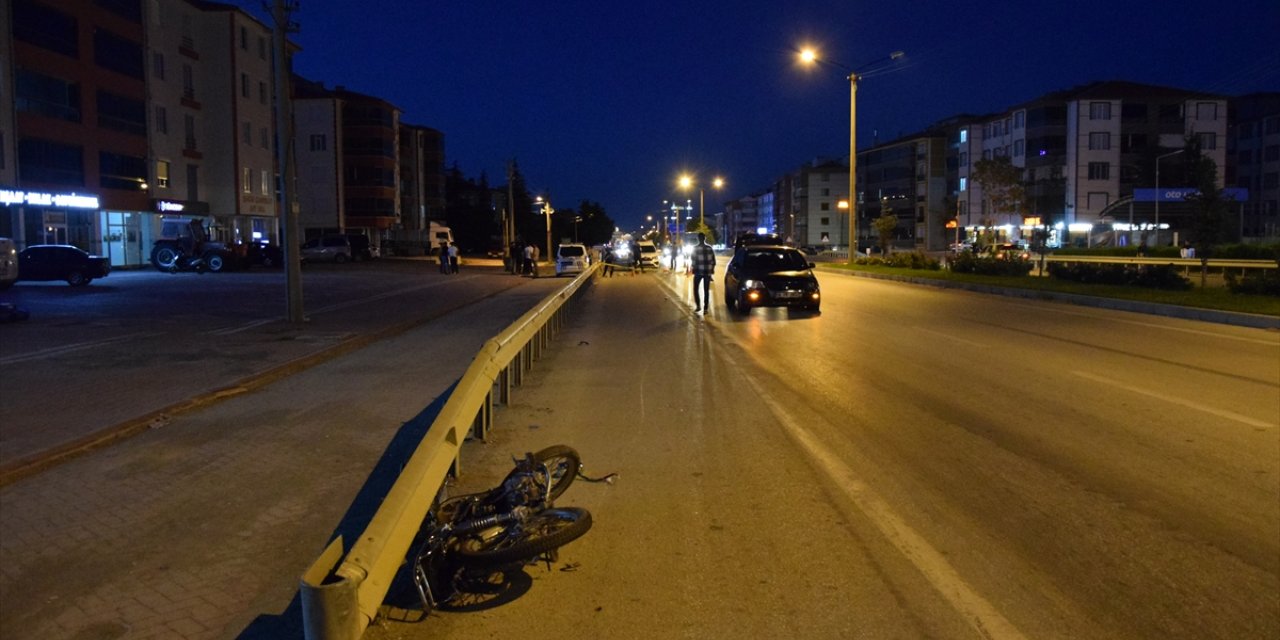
571, 252
774, 260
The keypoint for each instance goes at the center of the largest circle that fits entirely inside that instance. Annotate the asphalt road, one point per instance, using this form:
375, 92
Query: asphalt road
911, 463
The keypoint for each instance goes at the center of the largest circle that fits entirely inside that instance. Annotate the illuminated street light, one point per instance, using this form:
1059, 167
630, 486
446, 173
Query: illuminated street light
547, 210
810, 56
687, 181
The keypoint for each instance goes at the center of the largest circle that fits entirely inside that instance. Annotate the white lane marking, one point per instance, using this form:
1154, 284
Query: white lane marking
1221, 413
71, 348
1275, 342
983, 616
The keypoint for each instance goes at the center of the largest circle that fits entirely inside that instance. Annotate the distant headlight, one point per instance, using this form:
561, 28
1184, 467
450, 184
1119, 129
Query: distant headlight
752, 284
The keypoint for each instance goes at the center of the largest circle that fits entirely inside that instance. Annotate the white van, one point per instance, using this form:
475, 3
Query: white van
572, 258
648, 254
8, 263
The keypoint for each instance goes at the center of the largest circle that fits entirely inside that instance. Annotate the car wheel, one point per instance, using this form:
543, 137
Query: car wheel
268, 262
742, 306
77, 278
729, 301
164, 258
340, 258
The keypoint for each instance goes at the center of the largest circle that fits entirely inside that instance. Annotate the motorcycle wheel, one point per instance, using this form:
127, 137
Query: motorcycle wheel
563, 462
544, 531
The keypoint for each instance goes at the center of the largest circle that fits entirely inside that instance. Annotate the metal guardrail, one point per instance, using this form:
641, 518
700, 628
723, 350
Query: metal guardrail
1182, 262
340, 594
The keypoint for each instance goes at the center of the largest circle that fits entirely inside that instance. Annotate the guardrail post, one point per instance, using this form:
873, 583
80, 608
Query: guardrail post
330, 604
504, 386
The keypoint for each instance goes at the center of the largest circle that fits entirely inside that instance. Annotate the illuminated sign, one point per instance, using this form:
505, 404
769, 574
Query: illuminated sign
166, 206
40, 199
1179, 194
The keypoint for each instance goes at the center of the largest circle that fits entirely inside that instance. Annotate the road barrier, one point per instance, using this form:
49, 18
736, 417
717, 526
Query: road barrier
341, 594
1185, 263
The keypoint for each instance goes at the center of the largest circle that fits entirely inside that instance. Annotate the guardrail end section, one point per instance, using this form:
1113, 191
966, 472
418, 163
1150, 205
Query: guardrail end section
330, 603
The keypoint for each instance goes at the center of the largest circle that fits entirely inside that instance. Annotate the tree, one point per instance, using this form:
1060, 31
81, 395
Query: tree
885, 226
1003, 190
1208, 206
699, 226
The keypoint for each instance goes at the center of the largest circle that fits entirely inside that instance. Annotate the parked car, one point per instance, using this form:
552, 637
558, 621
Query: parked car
361, 248
263, 253
1009, 251
334, 248
770, 276
61, 262
572, 258
8, 263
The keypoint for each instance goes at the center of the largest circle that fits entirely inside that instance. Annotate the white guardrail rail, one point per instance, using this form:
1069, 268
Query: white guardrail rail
1185, 263
341, 594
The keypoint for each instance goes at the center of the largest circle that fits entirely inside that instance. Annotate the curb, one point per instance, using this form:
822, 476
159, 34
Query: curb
1251, 320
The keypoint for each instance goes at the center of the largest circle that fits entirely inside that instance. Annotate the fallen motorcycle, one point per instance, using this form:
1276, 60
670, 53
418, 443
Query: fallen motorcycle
467, 537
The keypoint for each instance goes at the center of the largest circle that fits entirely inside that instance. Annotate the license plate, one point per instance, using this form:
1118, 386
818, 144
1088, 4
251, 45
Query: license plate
788, 294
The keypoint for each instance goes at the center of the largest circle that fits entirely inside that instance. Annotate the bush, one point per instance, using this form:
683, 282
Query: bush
1160, 276
1120, 252
1247, 252
968, 262
913, 260
1262, 282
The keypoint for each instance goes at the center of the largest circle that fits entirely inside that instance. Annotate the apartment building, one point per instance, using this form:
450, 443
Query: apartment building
906, 178
422, 190
1253, 162
348, 153
75, 126
817, 188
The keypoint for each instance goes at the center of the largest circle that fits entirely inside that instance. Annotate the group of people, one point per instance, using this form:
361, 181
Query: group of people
524, 261
448, 257
621, 256
702, 265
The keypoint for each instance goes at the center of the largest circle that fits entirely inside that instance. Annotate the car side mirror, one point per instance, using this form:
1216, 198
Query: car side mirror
813, 265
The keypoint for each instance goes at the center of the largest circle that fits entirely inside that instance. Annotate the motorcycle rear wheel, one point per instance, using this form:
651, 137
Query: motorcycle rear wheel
563, 463
544, 531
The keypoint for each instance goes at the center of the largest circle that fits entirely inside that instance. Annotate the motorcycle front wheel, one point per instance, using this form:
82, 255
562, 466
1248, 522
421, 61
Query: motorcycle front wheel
544, 531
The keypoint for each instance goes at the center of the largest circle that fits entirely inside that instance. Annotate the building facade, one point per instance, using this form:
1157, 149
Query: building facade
1253, 162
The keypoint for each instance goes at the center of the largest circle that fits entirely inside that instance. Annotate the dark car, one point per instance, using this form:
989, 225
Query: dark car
748, 239
263, 253
61, 262
770, 276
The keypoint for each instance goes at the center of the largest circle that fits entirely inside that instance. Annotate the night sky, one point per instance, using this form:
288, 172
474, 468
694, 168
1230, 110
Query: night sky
611, 100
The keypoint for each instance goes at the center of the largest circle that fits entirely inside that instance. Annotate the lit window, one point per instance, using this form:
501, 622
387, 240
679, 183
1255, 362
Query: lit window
964, 136
246, 180
162, 174
266, 183
964, 184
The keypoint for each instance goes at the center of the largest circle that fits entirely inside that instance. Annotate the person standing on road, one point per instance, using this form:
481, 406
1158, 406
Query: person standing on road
453, 257
527, 266
444, 257
536, 255
703, 266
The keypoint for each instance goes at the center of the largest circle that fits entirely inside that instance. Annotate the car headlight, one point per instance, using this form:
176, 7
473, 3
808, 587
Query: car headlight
752, 284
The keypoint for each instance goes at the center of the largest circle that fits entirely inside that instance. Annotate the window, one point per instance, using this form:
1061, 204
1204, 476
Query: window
1272, 125
1099, 171
1098, 200
262, 92
157, 65
244, 38
318, 142
1019, 119
1272, 153
964, 158
266, 183
121, 113
246, 133
1270, 180
1018, 148
117, 54
47, 28
193, 182
1099, 140
1206, 111
119, 171
824, 206
244, 85
189, 127
162, 174
264, 138
964, 136
188, 82
246, 180
1208, 141
162, 120
826, 191
824, 221
48, 161
1099, 110
262, 47
964, 184
1008, 125
46, 95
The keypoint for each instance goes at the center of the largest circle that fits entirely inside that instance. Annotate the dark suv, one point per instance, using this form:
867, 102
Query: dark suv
770, 276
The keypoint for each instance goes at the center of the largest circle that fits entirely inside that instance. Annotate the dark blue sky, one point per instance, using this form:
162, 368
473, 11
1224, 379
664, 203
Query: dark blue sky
611, 100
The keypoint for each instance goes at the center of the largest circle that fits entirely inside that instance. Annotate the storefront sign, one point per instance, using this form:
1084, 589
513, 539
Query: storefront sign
1179, 194
41, 199
165, 206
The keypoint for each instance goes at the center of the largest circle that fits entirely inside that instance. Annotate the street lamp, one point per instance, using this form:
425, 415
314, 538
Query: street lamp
1158, 159
686, 181
547, 210
809, 56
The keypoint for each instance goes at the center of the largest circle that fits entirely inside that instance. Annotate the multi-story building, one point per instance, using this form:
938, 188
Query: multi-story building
817, 188
347, 160
422, 196
906, 178
1253, 162
78, 131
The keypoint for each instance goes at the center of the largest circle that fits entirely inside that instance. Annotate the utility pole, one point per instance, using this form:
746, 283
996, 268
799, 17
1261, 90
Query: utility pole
284, 158
511, 215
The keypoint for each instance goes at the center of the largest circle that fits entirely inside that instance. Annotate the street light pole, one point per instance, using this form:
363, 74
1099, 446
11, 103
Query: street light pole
1158, 159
